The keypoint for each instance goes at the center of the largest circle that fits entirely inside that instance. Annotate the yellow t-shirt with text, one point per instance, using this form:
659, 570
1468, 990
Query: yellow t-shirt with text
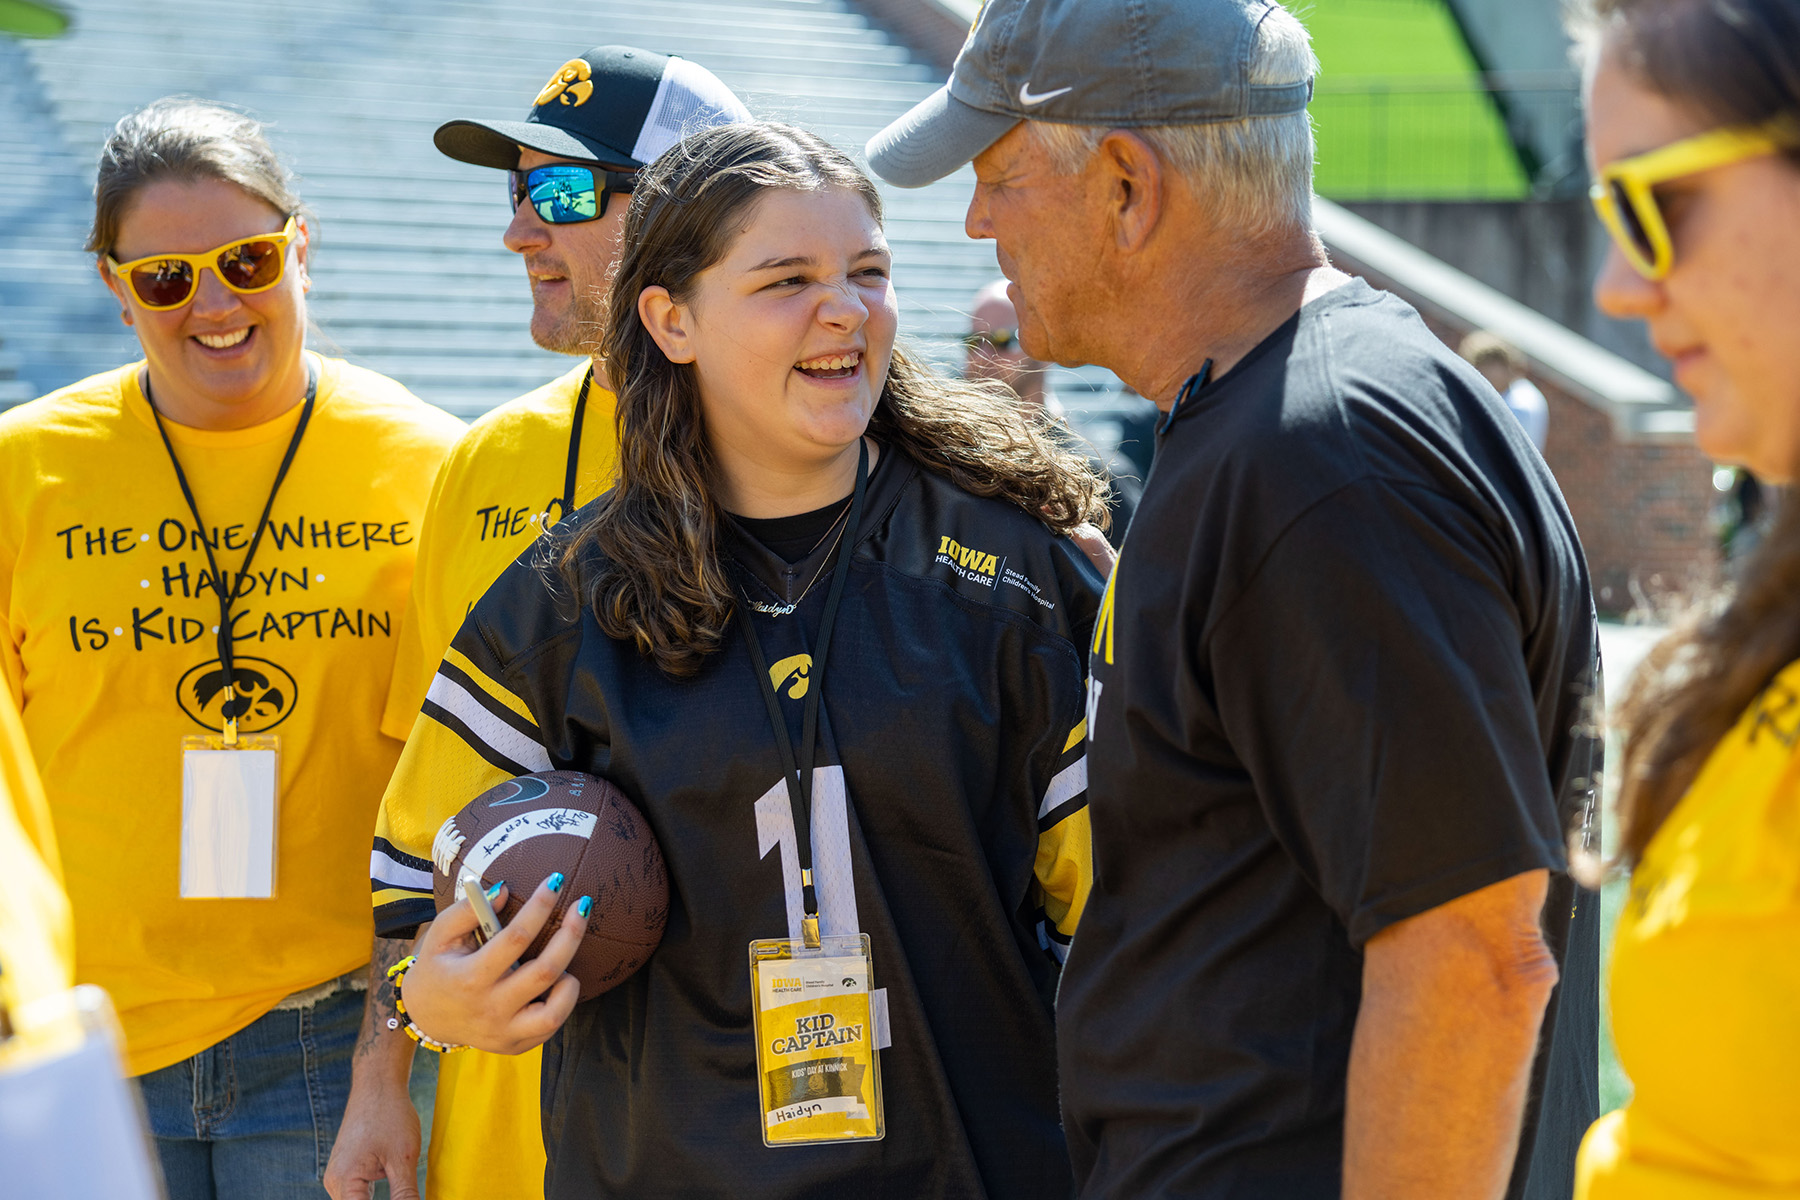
1706, 982
502, 482
108, 613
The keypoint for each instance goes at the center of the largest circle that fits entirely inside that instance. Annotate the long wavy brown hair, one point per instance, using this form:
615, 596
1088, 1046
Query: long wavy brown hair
1732, 62
657, 580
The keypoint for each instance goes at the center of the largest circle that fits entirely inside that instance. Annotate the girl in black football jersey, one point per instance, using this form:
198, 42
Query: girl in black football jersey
771, 433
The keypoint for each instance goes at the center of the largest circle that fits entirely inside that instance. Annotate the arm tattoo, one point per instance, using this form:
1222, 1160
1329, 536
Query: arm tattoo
380, 1008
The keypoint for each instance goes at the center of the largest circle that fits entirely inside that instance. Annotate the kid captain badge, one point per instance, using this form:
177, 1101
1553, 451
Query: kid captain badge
228, 815
816, 1060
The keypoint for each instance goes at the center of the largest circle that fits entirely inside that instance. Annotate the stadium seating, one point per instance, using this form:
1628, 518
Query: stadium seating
410, 276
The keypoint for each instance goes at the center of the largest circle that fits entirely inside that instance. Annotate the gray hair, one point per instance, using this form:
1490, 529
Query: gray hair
1256, 173
184, 139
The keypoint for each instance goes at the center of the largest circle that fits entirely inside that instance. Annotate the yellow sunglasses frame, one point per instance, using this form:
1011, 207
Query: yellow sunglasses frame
1638, 176
208, 261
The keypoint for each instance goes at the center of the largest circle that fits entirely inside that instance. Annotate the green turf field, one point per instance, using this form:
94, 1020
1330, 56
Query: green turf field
1398, 106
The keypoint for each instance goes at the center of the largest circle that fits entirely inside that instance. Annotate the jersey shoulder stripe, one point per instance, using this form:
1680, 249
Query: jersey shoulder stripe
1067, 790
465, 669
388, 864
478, 721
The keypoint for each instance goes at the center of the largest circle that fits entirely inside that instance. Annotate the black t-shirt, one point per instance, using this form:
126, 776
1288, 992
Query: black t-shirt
797, 538
1344, 674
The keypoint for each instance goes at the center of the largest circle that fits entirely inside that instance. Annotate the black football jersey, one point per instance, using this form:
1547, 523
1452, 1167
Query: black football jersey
949, 824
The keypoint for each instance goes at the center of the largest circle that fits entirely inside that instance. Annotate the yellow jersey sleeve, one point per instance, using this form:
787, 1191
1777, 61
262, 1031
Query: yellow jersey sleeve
1065, 854
470, 735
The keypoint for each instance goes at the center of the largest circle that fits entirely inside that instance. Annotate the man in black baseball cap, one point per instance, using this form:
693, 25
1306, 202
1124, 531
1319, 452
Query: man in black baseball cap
600, 118
1340, 713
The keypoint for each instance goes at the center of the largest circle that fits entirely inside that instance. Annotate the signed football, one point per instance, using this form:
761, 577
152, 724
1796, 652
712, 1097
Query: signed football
530, 827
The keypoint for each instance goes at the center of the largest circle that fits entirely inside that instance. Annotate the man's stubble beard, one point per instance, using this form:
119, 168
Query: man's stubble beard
576, 332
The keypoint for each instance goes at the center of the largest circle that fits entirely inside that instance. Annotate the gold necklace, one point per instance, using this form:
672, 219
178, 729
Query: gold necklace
782, 610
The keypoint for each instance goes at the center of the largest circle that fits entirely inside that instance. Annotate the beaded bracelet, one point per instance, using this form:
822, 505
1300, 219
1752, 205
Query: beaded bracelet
396, 975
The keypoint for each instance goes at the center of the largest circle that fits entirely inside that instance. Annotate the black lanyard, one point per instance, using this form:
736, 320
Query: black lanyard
799, 782
574, 459
228, 590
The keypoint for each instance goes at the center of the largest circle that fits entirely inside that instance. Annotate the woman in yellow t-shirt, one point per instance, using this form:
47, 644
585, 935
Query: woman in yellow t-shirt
1694, 127
203, 559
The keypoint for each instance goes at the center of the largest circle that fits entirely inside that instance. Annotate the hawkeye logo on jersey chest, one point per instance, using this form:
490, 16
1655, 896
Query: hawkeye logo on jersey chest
978, 566
797, 667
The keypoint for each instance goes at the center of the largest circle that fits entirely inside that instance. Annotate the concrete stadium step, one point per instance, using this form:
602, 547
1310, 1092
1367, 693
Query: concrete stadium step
410, 276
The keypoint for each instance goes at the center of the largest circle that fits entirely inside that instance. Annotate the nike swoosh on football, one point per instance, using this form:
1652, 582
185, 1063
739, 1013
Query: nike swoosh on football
1031, 101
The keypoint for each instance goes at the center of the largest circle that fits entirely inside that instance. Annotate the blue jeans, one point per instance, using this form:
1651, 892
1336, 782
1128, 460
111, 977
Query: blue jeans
253, 1117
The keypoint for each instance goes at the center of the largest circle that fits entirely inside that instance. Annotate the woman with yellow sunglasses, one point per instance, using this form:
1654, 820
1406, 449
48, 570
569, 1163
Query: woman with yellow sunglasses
202, 556
1694, 127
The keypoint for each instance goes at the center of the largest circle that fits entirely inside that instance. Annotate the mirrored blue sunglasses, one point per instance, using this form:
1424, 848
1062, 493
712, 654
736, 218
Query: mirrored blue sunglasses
564, 193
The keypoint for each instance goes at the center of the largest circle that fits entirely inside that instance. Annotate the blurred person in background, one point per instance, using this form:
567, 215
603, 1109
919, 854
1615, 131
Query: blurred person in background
1743, 515
1501, 364
993, 350
202, 559
1339, 704
1693, 120
569, 166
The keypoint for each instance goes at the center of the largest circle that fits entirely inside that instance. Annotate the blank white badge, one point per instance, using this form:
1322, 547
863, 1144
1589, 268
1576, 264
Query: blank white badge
228, 824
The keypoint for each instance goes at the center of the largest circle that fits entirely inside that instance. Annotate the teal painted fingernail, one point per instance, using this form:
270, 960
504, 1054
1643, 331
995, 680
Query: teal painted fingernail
583, 905
555, 882
495, 890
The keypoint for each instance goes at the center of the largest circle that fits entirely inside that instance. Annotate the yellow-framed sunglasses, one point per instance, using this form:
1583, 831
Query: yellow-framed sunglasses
1625, 195
246, 266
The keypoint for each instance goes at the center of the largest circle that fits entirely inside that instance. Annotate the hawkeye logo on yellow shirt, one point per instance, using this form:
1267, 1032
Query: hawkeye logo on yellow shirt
264, 696
797, 667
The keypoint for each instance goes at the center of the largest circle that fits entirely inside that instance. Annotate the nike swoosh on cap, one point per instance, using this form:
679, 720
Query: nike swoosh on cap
1031, 101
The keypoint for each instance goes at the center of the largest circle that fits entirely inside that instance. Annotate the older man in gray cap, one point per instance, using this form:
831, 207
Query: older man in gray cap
1339, 712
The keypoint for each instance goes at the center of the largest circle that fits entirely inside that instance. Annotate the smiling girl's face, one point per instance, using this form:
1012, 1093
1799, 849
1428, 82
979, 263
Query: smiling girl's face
790, 333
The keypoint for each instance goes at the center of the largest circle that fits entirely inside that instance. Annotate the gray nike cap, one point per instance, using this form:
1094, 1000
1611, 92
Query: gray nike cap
1118, 63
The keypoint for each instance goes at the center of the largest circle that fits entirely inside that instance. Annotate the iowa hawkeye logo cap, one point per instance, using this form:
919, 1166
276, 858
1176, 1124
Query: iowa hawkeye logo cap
1117, 63
615, 105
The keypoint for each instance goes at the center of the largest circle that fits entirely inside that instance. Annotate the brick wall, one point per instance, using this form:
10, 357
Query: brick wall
1643, 508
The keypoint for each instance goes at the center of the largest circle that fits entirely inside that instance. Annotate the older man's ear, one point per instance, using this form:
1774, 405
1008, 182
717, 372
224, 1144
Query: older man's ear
1134, 182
